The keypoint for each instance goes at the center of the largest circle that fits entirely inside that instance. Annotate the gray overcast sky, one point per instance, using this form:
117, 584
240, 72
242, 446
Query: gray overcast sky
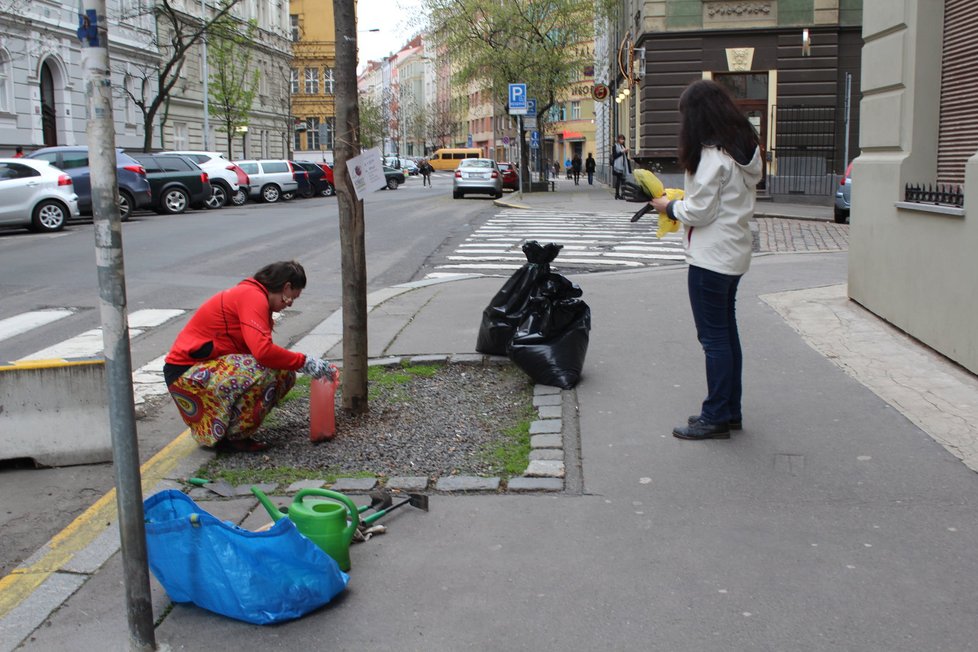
393, 19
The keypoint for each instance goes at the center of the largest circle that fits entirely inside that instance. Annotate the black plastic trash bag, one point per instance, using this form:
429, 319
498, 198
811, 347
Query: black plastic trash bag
551, 343
508, 308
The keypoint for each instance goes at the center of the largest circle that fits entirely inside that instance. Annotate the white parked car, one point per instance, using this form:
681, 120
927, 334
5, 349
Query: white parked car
35, 194
224, 178
271, 180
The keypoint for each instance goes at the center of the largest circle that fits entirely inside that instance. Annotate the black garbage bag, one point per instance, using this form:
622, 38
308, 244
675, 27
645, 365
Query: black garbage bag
551, 343
508, 308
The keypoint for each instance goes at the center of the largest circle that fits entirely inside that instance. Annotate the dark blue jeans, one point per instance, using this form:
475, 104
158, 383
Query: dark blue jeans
712, 297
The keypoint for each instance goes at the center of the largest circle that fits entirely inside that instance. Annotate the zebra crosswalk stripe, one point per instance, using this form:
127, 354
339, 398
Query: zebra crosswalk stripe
90, 342
27, 321
601, 240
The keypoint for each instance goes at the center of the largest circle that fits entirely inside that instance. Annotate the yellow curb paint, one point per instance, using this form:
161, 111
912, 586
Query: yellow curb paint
53, 363
24, 580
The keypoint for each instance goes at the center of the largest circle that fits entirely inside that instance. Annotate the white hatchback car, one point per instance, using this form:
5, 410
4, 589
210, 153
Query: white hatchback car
270, 179
220, 170
35, 194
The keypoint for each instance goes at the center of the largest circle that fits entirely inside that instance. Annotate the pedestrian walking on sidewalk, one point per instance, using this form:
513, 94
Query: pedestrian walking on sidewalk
720, 153
576, 168
589, 166
620, 165
224, 372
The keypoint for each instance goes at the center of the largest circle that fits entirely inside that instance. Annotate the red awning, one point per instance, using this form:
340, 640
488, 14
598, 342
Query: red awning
573, 135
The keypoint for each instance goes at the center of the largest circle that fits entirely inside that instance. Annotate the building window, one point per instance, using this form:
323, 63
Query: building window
575, 110
312, 81
6, 96
294, 80
130, 86
296, 140
294, 22
180, 135
312, 133
328, 81
327, 140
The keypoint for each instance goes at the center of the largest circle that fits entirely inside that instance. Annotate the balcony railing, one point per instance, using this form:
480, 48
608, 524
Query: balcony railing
936, 194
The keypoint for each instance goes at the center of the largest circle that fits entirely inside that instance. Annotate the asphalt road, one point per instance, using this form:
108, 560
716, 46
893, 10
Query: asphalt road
176, 262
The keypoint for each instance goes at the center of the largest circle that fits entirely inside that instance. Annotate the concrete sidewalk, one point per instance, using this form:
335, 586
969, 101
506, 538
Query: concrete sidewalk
840, 518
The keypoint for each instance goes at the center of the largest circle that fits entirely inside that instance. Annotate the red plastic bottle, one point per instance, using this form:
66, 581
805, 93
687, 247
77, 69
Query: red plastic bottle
322, 408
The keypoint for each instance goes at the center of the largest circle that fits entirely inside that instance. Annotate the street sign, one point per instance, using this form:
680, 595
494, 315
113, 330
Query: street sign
535, 139
530, 123
531, 108
469, 141
505, 140
517, 99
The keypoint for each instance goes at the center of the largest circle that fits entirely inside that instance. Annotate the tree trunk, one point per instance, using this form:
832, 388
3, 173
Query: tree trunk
352, 246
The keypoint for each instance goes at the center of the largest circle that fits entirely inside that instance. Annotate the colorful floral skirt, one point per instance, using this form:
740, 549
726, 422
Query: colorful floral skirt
228, 397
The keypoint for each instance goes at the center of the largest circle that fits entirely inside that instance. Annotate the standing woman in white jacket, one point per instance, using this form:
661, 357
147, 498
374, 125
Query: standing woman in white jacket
720, 153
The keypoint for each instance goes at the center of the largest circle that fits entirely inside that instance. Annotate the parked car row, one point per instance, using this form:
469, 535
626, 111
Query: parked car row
53, 184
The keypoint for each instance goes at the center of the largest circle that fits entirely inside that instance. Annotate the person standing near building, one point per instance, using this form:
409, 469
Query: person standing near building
620, 166
576, 168
19, 152
425, 169
720, 152
589, 166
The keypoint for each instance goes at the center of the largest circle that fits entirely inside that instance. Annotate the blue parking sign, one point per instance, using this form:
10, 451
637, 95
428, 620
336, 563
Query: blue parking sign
531, 108
517, 99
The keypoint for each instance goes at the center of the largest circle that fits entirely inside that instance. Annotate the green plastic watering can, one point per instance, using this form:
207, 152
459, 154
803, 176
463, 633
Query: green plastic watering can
330, 524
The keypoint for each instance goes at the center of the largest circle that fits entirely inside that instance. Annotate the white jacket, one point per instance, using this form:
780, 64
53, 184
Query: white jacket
716, 211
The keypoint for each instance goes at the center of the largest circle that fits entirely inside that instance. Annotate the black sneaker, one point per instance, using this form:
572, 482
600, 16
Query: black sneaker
702, 430
734, 424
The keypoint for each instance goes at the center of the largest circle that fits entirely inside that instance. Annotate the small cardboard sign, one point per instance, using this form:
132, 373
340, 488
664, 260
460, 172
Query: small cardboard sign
367, 172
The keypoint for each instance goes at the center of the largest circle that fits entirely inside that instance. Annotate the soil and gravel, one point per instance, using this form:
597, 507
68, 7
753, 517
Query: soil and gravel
434, 426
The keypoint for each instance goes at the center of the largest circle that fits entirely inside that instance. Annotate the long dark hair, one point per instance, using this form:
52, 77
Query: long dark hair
708, 116
275, 275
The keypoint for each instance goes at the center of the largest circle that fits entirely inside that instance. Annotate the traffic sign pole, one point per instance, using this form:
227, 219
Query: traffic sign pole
519, 153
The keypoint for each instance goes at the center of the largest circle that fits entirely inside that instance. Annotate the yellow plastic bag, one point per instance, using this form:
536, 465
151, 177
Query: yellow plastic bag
655, 188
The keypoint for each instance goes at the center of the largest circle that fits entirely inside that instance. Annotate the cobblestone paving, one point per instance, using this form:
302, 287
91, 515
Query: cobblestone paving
781, 235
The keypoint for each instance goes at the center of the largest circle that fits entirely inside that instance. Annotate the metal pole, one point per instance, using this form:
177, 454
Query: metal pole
206, 75
93, 33
845, 156
519, 154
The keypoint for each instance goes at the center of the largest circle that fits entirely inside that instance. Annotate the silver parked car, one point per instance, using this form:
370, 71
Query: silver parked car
35, 194
271, 180
842, 197
479, 175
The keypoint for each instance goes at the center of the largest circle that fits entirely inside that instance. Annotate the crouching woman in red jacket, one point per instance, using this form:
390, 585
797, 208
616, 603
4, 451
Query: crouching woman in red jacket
224, 372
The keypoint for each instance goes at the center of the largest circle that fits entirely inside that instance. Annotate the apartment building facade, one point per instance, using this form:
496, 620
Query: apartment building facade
793, 67
312, 79
42, 98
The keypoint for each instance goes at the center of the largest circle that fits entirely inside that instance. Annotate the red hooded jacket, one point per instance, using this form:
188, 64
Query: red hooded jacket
237, 320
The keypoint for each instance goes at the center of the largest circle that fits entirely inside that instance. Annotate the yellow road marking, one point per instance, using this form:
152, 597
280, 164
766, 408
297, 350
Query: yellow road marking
24, 580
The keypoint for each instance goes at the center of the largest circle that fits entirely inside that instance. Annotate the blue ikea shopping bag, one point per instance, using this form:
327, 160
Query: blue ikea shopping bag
259, 577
